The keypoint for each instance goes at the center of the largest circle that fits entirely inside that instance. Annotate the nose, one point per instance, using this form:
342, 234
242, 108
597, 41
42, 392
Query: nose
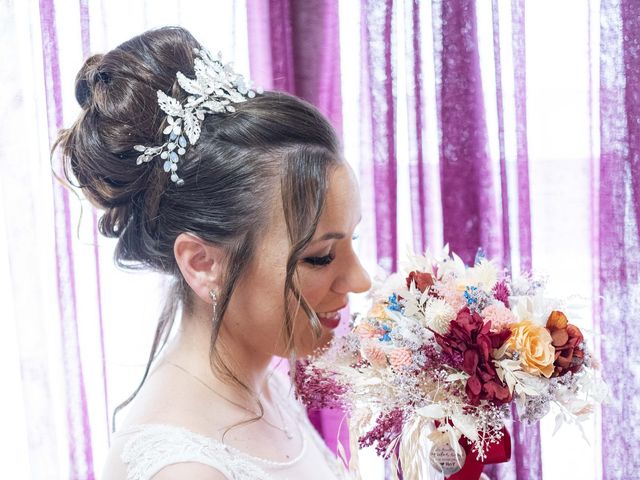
354, 277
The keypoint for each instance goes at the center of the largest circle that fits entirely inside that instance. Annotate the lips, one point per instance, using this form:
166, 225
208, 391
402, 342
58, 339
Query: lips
330, 319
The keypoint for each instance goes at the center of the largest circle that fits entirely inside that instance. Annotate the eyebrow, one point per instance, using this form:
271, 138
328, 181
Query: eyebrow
330, 236
333, 235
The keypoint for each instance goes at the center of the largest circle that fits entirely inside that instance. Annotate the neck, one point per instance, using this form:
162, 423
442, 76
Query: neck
190, 348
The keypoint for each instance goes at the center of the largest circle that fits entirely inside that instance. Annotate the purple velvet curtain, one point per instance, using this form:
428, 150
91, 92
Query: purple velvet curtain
618, 241
470, 217
378, 112
294, 46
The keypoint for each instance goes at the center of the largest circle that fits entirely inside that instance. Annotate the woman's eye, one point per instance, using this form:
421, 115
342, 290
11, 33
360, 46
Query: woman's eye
319, 261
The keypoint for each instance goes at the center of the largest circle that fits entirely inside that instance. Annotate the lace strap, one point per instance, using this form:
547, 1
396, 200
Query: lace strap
154, 447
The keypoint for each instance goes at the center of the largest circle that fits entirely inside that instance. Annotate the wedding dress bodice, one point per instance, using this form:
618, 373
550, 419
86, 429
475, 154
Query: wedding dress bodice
151, 447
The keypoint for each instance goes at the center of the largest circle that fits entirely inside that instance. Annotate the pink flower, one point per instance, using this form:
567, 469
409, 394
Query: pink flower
318, 388
366, 330
449, 291
400, 357
375, 355
387, 429
501, 292
499, 316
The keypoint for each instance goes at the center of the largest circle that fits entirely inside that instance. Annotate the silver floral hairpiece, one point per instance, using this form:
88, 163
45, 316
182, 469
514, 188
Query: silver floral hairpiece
214, 89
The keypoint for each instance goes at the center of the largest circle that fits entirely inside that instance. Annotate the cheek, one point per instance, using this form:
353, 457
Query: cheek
315, 284
256, 312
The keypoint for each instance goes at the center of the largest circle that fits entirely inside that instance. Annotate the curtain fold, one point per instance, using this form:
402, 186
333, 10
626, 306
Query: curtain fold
470, 218
85, 35
618, 239
526, 456
379, 106
418, 169
78, 428
294, 46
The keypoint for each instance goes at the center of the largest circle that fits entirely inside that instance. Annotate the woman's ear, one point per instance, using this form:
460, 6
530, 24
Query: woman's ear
200, 263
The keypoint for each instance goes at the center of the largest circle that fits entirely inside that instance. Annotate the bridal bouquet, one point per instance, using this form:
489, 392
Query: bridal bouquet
441, 356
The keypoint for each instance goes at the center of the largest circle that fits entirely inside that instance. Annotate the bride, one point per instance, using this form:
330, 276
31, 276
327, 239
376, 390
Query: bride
246, 200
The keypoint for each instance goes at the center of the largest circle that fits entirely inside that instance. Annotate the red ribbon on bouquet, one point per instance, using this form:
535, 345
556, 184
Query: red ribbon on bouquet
496, 453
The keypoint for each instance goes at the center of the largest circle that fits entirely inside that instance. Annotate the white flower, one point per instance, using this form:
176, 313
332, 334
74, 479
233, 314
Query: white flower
438, 315
520, 284
453, 265
484, 275
534, 308
385, 285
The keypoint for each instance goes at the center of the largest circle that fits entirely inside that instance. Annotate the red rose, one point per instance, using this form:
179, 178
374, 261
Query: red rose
473, 340
422, 280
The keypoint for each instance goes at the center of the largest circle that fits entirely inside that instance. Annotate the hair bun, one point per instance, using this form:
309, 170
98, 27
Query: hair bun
87, 78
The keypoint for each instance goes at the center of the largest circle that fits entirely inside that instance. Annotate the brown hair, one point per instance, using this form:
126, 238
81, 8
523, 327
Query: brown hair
273, 142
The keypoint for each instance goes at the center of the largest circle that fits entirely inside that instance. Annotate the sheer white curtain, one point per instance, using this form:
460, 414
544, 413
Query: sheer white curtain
75, 331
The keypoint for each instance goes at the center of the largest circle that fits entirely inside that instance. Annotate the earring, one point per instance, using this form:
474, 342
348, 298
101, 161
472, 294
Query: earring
214, 299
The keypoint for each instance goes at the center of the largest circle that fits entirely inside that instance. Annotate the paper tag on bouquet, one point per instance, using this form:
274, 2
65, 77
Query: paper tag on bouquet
443, 457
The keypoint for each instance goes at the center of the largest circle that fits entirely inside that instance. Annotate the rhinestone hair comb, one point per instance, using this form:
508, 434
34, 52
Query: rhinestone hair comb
214, 90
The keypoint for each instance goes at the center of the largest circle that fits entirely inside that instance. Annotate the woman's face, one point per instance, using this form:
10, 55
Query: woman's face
328, 271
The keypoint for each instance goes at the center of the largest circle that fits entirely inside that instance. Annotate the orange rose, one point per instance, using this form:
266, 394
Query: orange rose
566, 341
533, 344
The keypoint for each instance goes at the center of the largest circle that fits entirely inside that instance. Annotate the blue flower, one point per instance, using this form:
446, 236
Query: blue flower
385, 336
393, 303
471, 295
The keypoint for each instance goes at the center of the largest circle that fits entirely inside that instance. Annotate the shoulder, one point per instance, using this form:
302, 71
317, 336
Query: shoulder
158, 452
193, 471
177, 471
168, 452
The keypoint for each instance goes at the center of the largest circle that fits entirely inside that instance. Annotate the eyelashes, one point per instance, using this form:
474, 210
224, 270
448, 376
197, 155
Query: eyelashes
323, 261
319, 261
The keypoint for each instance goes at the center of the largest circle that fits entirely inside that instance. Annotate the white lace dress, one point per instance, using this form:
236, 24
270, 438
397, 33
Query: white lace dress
151, 447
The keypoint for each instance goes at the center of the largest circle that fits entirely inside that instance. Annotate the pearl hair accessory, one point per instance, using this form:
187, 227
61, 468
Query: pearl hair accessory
214, 89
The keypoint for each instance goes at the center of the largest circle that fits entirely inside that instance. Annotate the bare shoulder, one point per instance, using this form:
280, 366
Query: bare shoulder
190, 470
116, 469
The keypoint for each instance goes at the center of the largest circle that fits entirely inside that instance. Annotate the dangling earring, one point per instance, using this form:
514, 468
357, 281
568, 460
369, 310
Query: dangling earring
214, 299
